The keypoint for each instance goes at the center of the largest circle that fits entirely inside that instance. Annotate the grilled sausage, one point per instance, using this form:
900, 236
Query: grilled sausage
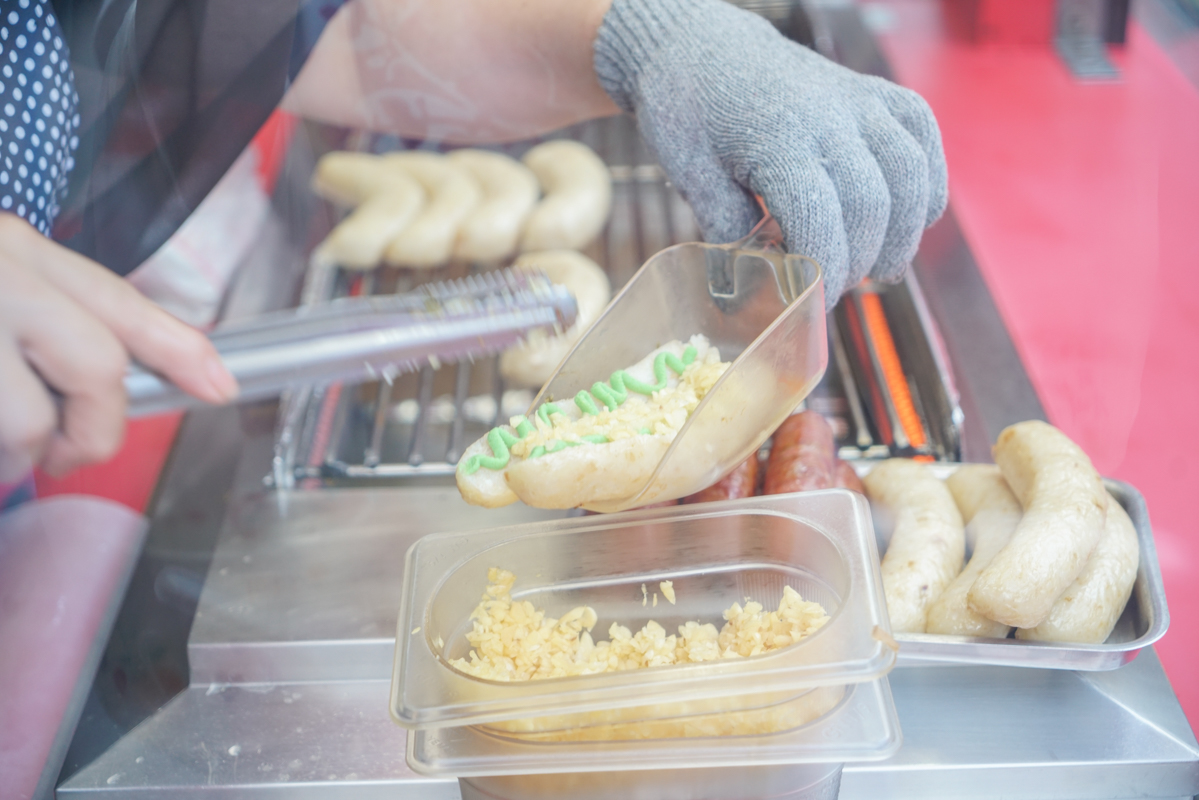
803, 456
741, 482
846, 478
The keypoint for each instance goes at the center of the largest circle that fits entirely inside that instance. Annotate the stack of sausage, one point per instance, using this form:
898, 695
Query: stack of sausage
1054, 556
803, 457
422, 210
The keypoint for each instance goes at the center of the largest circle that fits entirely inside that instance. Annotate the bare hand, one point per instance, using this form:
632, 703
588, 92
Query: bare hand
68, 323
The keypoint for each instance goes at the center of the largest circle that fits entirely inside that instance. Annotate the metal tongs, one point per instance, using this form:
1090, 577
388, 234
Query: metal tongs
763, 309
356, 339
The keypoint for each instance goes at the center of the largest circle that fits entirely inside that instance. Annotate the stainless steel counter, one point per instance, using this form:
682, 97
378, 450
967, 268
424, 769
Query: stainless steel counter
253, 652
291, 655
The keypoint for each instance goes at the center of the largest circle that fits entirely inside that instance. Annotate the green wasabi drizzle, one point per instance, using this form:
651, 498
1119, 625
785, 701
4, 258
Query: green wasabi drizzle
611, 394
554, 445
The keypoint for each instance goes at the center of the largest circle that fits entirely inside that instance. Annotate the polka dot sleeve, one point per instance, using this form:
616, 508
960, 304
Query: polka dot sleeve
38, 112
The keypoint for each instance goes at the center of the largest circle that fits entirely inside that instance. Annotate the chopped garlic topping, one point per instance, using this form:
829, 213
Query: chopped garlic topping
667, 588
513, 641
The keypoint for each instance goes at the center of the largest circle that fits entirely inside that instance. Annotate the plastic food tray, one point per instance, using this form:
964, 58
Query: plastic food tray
822, 544
864, 727
1144, 621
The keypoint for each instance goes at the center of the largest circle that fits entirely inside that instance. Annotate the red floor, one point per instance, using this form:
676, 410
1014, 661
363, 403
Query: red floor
1081, 204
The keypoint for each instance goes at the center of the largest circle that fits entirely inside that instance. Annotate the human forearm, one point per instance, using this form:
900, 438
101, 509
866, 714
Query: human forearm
464, 71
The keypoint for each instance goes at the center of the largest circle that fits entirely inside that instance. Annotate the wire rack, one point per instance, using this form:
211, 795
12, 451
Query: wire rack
417, 425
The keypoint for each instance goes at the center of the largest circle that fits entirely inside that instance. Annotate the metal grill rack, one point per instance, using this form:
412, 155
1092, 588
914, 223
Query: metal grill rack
417, 425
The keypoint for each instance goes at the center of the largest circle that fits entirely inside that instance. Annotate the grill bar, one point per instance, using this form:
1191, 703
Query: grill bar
419, 424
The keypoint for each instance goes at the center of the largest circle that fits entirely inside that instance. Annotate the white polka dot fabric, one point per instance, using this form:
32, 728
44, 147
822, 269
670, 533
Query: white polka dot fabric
38, 116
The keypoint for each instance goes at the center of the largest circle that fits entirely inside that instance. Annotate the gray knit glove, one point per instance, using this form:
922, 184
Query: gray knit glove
850, 165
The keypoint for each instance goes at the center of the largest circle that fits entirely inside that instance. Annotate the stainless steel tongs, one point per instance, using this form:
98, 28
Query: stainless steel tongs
356, 339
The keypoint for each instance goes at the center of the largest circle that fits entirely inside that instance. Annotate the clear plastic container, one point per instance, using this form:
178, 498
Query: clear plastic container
862, 727
757, 305
821, 544
780, 782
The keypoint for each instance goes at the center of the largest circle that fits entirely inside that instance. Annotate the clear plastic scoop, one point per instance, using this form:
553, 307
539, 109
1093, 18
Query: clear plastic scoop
753, 301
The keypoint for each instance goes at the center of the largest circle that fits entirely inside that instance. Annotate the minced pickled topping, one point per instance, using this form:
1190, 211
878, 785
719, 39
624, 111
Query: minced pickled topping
513, 641
606, 416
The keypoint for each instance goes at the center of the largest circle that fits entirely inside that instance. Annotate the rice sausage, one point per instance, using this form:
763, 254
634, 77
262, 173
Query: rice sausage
1089, 609
578, 197
452, 193
991, 513
531, 362
802, 457
741, 482
510, 191
927, 544
1065, 507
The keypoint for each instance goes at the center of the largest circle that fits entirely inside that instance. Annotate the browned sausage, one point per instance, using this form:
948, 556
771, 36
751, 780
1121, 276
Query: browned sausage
803, 456
741, 482
846, 478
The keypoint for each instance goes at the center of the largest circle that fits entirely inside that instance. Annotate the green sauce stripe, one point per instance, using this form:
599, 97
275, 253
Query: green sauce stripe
616, 391
499, 440
555, 445
544, 412
611, 394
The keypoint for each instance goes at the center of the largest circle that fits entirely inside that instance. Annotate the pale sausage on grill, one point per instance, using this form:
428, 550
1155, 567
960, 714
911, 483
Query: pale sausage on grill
802, 457
741, 482
578, 196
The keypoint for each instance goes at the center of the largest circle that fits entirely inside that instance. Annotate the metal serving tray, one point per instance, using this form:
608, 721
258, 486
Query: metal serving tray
1143, 622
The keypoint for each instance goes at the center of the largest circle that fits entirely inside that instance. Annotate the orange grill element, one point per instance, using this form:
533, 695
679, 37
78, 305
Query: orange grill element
897, 382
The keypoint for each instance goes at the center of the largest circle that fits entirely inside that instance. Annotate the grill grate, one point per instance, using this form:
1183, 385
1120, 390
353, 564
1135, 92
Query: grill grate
418, 424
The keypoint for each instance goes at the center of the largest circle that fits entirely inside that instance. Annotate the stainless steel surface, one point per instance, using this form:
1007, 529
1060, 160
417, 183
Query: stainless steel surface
995, 390
988, 733
306, 586
360, 338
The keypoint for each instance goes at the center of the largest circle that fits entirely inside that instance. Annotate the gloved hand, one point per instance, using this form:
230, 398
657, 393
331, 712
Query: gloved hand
850, 165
